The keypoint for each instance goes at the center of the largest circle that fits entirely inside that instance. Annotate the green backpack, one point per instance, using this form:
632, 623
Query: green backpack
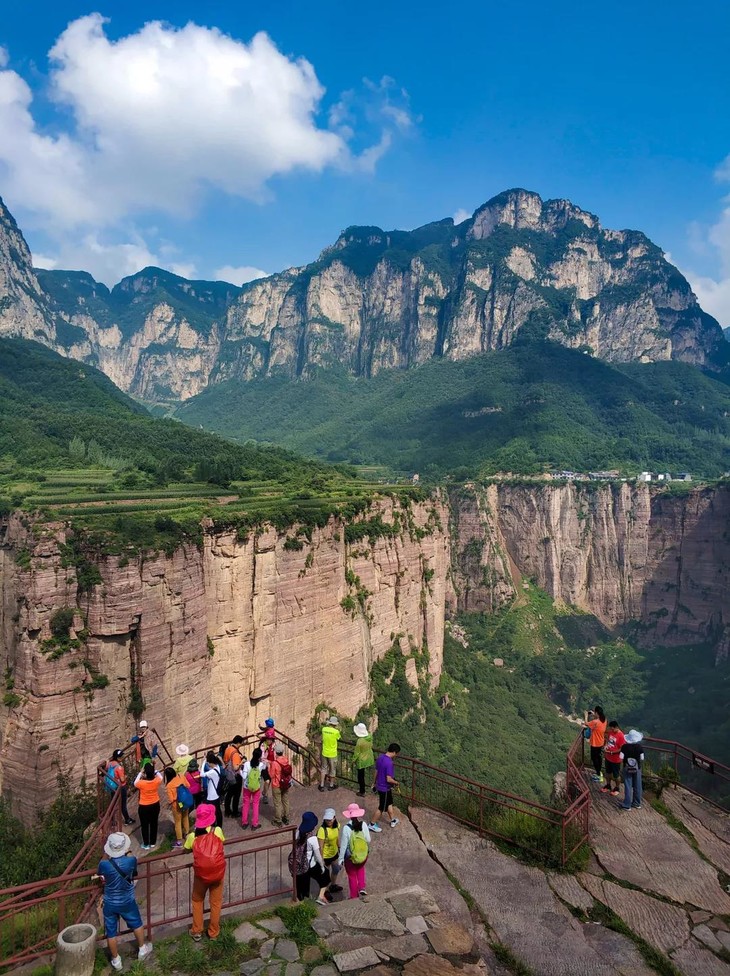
358, 847
253, 781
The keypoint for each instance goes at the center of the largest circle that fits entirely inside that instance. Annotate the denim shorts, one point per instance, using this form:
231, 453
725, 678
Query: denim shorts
128, 911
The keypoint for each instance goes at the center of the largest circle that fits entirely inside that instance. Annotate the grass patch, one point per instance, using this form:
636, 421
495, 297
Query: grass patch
298, 920
653, 958
507, 958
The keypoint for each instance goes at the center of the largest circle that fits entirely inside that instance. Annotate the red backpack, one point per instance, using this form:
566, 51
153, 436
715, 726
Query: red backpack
286, 771
209, 862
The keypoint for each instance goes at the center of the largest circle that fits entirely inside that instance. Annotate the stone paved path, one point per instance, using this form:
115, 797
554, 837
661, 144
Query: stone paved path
708, 826
522, 909
640, 847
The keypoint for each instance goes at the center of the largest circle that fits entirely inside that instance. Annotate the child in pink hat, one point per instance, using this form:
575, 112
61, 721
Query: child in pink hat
355, 849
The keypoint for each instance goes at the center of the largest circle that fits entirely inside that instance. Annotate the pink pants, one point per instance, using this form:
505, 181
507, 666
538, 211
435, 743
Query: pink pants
250, 798
356, 877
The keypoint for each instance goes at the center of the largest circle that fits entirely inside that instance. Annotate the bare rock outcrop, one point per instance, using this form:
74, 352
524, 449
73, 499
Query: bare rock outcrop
213, 639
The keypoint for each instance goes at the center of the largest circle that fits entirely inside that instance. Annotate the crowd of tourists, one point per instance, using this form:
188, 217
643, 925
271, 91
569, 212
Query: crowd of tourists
229, 784
622, 755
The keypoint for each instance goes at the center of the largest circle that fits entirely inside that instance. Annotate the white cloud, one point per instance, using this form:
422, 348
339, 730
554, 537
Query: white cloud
461, 215
151, 122
713, 291
109, 261
239, 275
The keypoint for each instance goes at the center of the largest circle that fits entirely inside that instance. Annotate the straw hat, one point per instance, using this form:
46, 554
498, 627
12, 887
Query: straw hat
182, 749
117, 845
360, 730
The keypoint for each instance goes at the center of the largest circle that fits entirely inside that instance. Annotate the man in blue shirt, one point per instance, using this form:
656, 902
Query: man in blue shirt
118, 871
384, 782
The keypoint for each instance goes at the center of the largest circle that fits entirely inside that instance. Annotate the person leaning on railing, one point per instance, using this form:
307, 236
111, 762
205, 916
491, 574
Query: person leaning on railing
117, 872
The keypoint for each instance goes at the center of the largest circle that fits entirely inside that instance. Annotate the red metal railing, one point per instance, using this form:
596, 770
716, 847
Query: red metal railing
548, 833
699, 774
32, 915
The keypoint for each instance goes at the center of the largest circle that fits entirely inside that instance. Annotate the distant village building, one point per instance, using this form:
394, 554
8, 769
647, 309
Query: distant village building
498, 662
415, 479
683, 476
604, 475
644, 476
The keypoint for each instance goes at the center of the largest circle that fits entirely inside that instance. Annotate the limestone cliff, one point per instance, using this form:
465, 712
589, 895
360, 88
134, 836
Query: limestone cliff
374, 300
624, 553
214, 640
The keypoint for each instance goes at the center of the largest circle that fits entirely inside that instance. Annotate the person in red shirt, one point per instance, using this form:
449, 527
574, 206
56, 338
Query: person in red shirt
612, 754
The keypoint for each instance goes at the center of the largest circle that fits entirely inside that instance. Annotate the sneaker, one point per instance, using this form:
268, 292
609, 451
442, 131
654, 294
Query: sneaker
363, 894
361, 793
333, 787
196, 937
178, 843
605, 789
321, 789
285, 821
595, 778
322, 901
277, 823
145, 951
636, 806
145, 847
117, 963
244, 826
601, 778
375, 827
615, 793
394, 822
255, 826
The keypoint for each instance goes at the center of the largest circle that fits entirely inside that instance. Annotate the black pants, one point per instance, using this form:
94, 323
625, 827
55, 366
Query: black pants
218, 812
149, 814
303, 881
233, 798
123, 802
361, 780
597, 758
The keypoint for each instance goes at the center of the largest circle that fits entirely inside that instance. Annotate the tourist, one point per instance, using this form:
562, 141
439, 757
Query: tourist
115, 778
117, 872
148, 783
269, 755
232, 761
181, 803
612, 756
209, 869
597, 725
211, 775
632, 756
330, 738
146, 749
384, 782
354, 850
251, 775
306, 863
363, 757
183, 759
328, 837
280, 771
194, 782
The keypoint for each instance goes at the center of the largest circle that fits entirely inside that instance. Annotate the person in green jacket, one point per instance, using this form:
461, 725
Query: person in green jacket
363, 757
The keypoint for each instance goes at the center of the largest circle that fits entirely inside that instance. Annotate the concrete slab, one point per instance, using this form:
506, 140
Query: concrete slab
663, 926
518, 903
639, 846
694, 960
348, 962
403, 947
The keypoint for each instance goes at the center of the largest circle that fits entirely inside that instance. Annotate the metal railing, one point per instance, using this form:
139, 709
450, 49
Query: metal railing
550, 834
697, 773
31, 915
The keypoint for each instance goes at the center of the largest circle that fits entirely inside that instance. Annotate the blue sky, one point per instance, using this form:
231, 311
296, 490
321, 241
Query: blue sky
239, 155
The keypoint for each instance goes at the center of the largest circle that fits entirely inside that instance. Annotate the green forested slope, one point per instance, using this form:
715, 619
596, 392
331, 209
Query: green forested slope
532, 406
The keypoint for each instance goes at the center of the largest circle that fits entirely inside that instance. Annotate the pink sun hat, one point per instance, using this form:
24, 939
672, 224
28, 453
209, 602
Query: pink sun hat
353, 811
205, 815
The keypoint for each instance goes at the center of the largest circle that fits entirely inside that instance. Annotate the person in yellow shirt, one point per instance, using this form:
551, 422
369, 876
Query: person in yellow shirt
328, 836
330, 738
180, 815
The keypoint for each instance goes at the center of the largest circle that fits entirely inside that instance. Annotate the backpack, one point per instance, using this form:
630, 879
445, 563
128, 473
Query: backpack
632, 766
358, 847
222, 785
299, 860
286, 774
253, 781
111, 783
209, 862
184, 798
229, 773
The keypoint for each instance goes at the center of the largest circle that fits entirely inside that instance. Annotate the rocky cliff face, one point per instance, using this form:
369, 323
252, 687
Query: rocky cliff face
215, 640
624, 553
374, 300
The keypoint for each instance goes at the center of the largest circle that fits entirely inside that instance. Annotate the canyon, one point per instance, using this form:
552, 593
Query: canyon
214, 639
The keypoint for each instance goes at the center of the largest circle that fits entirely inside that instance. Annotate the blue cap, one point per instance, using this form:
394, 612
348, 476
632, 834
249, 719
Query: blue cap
269, 723
309, 822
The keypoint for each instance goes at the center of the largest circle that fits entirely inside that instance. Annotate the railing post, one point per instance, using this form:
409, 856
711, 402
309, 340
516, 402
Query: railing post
481, 810
62, 912
413, 781
562, 838
676, 759
294, 864
148, 886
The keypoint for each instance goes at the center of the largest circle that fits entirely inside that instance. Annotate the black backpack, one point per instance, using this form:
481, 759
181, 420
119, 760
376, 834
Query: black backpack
223, 784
